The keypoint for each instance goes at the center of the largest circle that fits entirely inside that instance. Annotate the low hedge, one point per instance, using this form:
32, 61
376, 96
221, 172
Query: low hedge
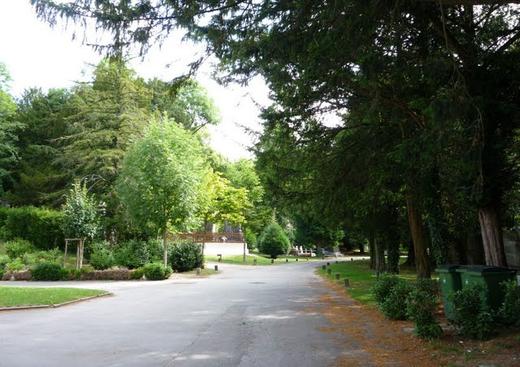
156, 271
49, 271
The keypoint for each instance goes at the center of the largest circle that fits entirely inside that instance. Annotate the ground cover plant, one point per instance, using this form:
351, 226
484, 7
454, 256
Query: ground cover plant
26, 296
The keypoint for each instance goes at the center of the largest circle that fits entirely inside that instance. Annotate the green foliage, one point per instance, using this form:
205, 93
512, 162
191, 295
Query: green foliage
472, 316
4, 260
48, 271
137, 274
394, 305
81, 213
40, 226
15, 265
273, 241
186, 256
251, 239
156, 271
54, 255
383, 287
101, 257
421, 305
509, 312
161, 177
18, 247
132, 254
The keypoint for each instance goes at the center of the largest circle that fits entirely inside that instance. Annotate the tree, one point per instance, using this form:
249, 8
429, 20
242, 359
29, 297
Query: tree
8, 131
274, 241
161, 178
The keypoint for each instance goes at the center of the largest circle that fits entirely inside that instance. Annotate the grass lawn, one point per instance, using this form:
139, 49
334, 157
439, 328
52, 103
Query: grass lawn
361, 278
25, 296
260, 259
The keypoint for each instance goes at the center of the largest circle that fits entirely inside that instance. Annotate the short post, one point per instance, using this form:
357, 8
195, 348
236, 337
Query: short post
347, 283
219, 258
286, 260
328, 264
351, 259
254, 261
337, 275
198, 271
216, 267
296, 259
272, 261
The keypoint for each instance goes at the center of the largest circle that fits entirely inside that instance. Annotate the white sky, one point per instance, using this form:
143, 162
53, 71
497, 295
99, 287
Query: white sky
38, 56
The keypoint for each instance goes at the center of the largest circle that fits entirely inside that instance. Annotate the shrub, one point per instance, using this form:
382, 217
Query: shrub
509, 312
42, 227
49, 271
472, 316
273, 241
156, 271
15, 265
108, 274
132, 254
186, 256
383, 287
4, 260
137, 274
37, 257
18, 247
101, 257
251, 240
420, 308
394, 306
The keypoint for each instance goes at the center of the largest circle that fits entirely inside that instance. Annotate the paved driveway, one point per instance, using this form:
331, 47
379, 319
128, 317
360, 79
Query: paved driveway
245, 316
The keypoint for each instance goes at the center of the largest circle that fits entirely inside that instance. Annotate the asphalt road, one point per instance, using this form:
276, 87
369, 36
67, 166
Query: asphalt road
244, 316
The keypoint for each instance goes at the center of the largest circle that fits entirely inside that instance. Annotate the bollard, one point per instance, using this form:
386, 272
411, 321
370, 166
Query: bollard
219, 257
286, 260
296, 259
337, 275
254, 261
328, 264
272, 261
216, 267
323, 267
198, 270
351, 259
347, 283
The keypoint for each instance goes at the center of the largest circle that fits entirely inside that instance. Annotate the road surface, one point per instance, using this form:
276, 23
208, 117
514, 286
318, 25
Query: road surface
244, 316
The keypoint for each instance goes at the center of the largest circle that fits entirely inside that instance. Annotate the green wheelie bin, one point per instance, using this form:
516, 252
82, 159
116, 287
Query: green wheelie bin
450, 282
490, 277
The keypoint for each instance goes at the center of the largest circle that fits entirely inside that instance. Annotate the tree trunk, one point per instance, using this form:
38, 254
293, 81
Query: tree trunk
492, 236
372, 252
380, 256
165, 248
420, 242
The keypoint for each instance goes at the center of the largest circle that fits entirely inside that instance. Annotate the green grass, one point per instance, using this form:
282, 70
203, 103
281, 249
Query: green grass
361, 278
260, 259
25, 296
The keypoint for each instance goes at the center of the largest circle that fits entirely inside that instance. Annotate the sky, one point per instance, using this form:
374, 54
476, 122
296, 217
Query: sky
39, 56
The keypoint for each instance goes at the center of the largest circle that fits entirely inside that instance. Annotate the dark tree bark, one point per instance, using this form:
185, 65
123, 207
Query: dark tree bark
492, 236
372, 251
420, 242
379, 248
474, 249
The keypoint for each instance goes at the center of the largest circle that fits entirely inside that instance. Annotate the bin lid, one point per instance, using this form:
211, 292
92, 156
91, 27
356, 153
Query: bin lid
485, 269
447, 268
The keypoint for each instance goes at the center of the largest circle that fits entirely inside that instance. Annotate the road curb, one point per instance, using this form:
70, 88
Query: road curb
31, 307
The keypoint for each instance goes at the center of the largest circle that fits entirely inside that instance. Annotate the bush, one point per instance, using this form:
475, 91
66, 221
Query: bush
510, 310
49, 271
472, 316
4, 260
101, 257
15, 265
383, 287
42, 227
394, 306
37, 257
186, 256
156, 271
137, 274
132, 254
251, 240
18, 247
420, 308
273, 241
